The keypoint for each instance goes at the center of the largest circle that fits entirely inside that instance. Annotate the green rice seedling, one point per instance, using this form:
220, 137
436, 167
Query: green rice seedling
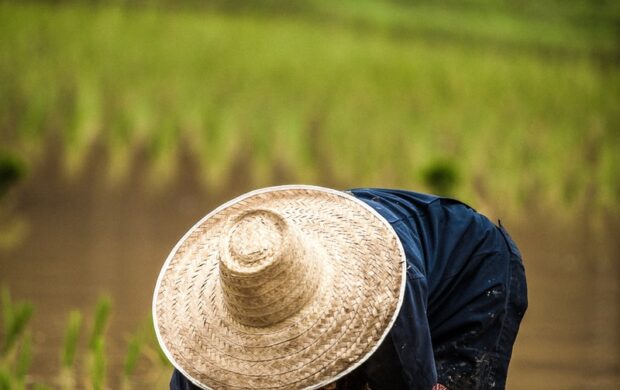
132, 356
22, 314
97, 372
7, 311
16, 317
102, 314
5, 378
69, 349
16, 345
160, 368
24, 358
72, 334
134, 349
96, 345
39, 386
142, 346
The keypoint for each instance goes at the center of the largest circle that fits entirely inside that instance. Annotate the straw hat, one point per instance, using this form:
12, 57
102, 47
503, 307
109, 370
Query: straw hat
281, 288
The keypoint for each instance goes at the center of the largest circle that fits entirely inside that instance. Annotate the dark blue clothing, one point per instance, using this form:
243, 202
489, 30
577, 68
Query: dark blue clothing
465, 294
464, 300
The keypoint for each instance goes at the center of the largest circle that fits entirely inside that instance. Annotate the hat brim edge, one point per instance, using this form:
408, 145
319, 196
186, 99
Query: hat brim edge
246, 195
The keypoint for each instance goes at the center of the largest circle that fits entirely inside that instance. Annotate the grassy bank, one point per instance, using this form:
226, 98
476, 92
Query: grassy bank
518, 102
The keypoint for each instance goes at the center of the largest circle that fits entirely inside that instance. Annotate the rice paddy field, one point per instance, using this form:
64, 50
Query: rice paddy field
123, 122
522, 100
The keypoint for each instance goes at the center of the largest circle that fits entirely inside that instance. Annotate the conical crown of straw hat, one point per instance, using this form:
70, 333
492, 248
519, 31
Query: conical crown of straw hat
268, 270
282, 288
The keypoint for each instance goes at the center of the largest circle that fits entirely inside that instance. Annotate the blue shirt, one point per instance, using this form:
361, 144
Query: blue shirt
457, 265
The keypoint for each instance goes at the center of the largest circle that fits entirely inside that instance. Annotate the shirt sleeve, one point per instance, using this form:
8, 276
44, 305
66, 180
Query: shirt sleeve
412, 337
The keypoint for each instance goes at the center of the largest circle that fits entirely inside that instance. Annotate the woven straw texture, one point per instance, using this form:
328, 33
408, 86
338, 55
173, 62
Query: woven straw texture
285, 287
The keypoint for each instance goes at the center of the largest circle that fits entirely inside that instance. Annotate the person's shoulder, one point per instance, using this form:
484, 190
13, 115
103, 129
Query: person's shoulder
394, 204
395, 195
408, 197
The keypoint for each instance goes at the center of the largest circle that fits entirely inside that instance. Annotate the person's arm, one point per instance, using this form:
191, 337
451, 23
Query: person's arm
412, 337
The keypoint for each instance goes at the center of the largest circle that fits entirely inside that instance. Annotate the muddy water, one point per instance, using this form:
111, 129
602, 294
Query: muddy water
86, 237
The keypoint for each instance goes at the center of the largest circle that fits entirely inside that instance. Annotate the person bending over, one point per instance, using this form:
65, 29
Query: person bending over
308, 287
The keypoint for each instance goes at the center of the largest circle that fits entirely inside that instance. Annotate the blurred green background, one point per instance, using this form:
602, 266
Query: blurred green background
521, 98
123, 122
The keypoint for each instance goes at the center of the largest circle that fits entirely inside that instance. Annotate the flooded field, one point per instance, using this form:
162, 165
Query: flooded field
136, 118
85, 237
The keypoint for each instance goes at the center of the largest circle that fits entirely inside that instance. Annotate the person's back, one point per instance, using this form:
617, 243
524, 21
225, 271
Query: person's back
467, 292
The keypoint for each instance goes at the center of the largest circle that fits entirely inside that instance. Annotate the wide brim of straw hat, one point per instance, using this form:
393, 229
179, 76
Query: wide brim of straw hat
359, 291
